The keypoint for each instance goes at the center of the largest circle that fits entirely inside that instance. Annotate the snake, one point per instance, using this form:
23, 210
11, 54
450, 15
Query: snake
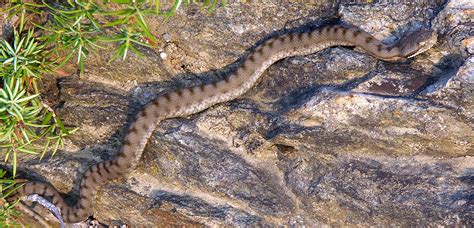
187, 101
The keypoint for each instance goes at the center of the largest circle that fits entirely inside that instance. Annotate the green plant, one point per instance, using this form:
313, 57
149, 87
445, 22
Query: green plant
26, 125
133, 26
23, 9
77, 27
25, 58
7, 210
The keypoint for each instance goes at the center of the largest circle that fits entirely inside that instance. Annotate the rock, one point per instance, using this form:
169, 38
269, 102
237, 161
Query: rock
336, 137
454, 23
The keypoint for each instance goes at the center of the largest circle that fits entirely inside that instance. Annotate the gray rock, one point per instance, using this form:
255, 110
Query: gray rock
455, 24
336, 137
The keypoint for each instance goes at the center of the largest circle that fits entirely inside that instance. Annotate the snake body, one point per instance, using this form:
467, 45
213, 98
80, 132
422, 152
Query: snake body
195, 99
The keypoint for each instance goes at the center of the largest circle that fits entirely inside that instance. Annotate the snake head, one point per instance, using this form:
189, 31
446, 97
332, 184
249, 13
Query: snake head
417, 42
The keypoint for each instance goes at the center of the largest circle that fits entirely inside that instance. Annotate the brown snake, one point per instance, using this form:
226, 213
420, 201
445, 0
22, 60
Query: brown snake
195, 99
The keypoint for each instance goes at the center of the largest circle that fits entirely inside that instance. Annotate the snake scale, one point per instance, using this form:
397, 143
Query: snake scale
195, 99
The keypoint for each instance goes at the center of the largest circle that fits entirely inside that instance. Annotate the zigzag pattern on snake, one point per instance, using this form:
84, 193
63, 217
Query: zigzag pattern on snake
195, 99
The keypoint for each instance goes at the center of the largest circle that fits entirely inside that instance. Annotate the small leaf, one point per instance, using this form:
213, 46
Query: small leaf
46, 146
142, 23
116, 22
14, 163
27, 98
27, 151
9, 92
4, 101
122, 1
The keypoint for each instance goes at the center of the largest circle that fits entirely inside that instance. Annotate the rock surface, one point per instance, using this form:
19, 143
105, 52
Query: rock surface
336, 137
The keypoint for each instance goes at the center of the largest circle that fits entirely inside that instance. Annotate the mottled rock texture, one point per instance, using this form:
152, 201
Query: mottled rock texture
336, 137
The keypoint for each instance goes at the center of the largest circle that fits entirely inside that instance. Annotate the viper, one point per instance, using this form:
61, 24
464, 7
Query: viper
195, 99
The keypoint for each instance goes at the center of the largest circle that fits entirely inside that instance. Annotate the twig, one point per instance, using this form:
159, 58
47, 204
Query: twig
28, 211
56, 211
